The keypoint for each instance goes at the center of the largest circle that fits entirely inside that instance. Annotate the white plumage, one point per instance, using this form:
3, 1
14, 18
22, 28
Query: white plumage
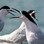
33, 33
3, 13
16, 37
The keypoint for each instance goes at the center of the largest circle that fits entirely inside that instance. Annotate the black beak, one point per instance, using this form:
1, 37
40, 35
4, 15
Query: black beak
9, 11
12, 11
16, 10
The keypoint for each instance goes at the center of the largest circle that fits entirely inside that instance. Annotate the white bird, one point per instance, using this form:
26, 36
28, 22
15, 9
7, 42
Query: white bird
3, 12
33, 34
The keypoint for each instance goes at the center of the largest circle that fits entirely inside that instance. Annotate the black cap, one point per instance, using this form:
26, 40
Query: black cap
24, 12
5, 7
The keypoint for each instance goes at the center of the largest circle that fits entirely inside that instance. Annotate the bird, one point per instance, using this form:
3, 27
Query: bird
16, 36
33, 33
4, 10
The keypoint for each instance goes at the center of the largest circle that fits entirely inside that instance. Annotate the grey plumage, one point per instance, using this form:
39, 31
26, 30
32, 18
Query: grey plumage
1, 25
3, 12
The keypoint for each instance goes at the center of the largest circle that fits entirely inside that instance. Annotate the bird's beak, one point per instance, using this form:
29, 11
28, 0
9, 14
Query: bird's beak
9, 11
13, 10
16, 10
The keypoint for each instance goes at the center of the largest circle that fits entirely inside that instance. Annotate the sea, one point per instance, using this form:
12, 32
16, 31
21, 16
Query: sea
12, 24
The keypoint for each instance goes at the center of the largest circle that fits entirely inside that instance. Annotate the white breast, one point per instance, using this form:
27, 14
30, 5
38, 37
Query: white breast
30, 26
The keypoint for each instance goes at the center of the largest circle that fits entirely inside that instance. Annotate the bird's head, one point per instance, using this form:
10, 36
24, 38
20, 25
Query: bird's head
32, 13
6, 10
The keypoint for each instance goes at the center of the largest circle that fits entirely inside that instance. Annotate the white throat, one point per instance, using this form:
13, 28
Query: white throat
3, 13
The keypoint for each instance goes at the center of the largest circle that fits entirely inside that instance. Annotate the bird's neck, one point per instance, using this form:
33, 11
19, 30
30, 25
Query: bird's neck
26, 20
30, 26
3, 13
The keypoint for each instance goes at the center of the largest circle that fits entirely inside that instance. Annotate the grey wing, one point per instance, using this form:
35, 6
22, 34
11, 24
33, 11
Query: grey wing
1, 25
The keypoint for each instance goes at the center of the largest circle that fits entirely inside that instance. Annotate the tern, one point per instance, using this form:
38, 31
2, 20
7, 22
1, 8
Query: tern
4, 10
14, 37
33, 34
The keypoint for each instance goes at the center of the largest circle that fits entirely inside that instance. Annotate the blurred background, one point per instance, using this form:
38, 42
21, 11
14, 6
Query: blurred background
12, 24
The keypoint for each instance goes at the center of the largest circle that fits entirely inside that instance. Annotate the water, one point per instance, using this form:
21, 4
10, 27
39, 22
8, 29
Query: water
12, 24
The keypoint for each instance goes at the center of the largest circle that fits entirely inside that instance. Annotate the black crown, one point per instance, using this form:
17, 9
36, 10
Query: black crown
5, 7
